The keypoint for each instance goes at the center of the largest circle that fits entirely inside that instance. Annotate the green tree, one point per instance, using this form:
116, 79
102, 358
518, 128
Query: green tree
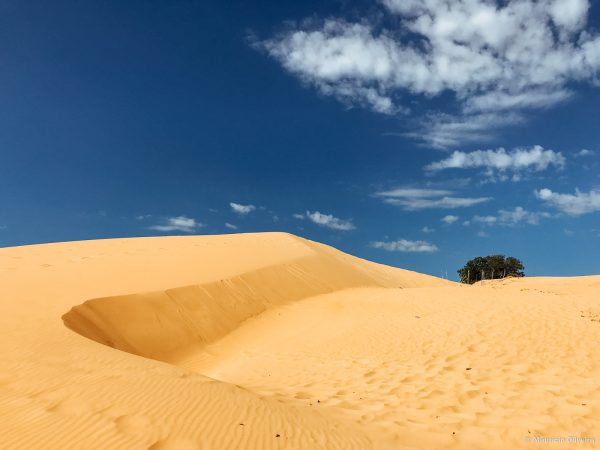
490, 267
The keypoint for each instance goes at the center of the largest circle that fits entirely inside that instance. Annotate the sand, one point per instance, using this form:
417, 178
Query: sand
260, 341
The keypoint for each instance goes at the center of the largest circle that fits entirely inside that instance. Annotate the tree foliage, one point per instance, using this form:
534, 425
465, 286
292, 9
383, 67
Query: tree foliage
490, 267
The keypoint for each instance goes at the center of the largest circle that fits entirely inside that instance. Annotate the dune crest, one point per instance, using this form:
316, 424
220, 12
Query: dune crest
167, 323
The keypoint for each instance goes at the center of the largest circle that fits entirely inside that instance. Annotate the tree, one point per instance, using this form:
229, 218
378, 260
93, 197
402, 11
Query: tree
490, 267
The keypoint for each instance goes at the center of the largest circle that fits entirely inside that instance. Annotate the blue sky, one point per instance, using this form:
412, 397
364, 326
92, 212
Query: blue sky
416, 134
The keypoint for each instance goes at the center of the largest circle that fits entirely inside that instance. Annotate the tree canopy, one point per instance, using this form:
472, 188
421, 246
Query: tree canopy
491, 267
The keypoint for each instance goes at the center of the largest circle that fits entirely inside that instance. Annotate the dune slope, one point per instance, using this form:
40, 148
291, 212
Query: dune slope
165, 323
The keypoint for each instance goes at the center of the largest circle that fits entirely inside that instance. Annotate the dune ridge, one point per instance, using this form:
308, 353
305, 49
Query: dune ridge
167, 323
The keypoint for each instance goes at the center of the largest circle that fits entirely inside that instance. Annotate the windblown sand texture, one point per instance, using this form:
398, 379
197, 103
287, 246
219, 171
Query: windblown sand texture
265, 341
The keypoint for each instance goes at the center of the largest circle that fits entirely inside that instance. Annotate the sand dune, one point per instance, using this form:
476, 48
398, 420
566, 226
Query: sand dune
272, 341
163, 323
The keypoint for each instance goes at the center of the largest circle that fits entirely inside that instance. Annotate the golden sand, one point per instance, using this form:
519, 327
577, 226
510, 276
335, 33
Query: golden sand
259, 341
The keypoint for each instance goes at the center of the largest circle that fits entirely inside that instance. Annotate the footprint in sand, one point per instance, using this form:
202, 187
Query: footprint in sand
175, 443
136, 425
302, 395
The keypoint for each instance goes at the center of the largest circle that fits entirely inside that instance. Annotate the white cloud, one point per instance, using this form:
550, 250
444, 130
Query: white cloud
231, 226
329, 221
585, 152
519, 214
242, 209
488, 220
494, 56
442, 131
535, 158
298, 216
437, 203
409, 192
500, 101
450, 219
179, 223
572, 204
426, 229
412, 199
404, 245
512, 217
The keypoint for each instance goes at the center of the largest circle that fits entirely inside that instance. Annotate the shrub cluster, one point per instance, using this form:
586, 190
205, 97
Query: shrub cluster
490, 267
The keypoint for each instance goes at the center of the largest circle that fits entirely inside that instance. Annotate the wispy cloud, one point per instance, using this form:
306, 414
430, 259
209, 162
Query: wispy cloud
467, 48
404, 245
179, 223
329, 221
426, 229
585, 152
409, 192
518, 215
516, 161
242, 209
442, 131
512, 217
412, 199
573, 204
231, 226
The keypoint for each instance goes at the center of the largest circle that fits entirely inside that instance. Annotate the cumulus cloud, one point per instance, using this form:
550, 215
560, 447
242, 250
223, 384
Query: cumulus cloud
404, 245
426, 229
329, 221
512, 217
242, 209
464, 47
412, 199
179, 223
298, 216
450, 219
573, 204
535, 159
487, 220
